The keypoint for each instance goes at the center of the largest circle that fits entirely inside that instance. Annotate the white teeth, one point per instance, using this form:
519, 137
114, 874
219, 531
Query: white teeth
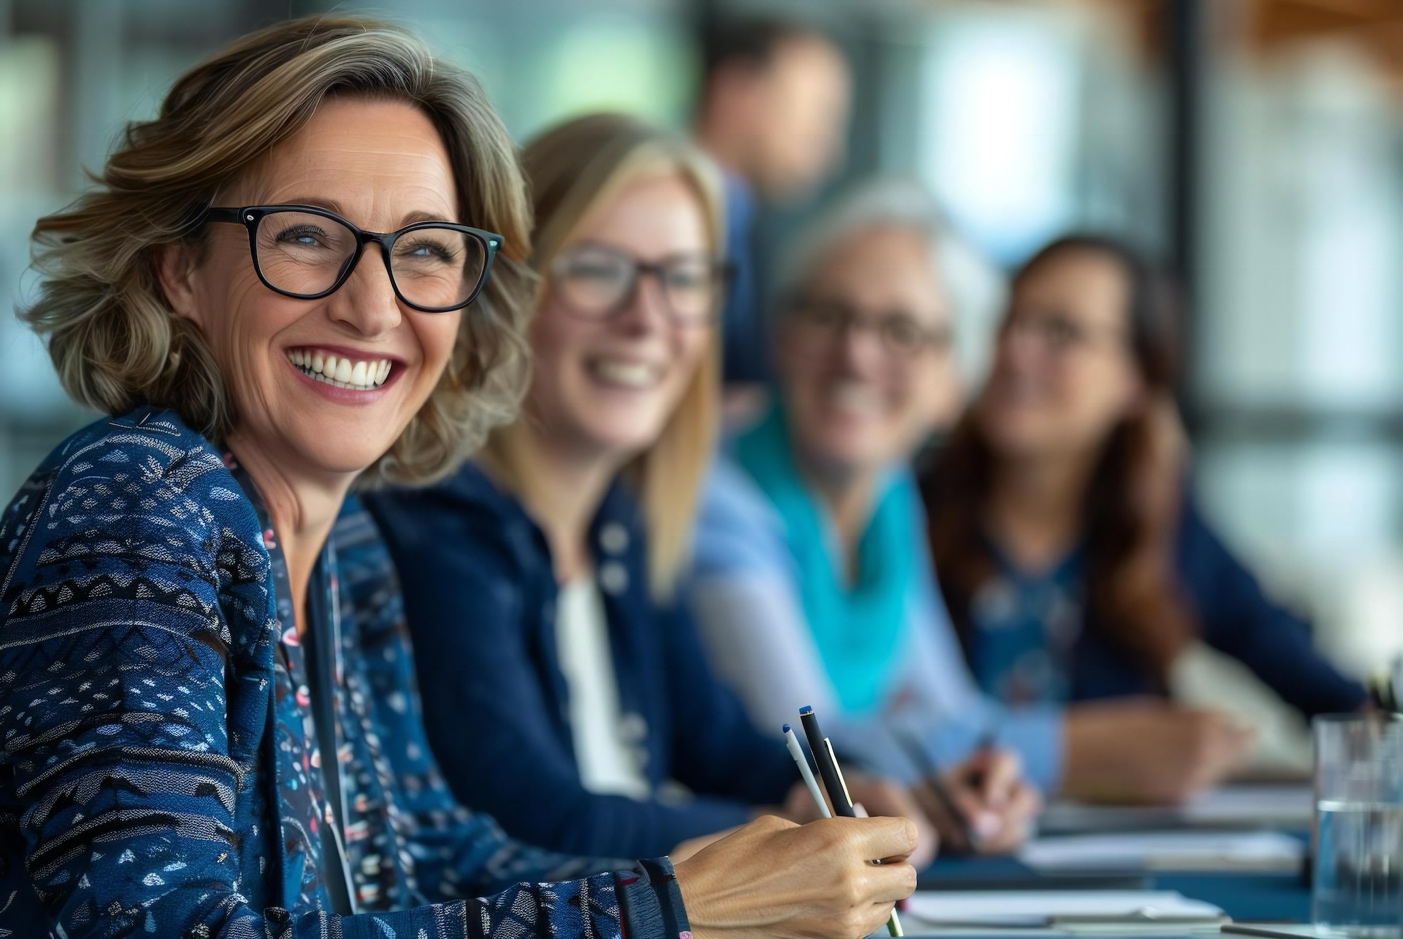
340, 371
630, 374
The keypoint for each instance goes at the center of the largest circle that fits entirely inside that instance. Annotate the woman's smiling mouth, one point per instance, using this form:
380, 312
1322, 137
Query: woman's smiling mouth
339, 370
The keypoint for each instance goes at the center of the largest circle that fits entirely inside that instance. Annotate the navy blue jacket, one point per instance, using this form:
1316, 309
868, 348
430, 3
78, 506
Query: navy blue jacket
480, 595
1234, 616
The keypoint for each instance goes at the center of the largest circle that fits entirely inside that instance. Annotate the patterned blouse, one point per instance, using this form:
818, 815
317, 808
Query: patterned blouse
160, 771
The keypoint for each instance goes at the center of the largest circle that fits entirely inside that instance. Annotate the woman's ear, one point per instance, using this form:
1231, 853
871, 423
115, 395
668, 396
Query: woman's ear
175, 269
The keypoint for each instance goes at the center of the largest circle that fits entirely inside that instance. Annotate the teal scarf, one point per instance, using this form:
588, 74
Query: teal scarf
857, 626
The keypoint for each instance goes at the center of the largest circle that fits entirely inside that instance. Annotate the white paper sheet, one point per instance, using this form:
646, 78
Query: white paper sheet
1240, 806
1165, 850
1015, 908
1259, 804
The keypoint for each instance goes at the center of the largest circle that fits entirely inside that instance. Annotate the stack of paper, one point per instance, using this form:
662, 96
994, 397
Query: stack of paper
1044, 908
1166, 850
1241, 806
1282, 806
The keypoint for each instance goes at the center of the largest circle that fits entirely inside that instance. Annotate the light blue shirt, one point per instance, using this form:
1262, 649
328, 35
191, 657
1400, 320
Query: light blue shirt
744, 595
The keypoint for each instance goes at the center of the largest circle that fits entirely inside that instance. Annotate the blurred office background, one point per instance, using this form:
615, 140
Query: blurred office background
1259, 143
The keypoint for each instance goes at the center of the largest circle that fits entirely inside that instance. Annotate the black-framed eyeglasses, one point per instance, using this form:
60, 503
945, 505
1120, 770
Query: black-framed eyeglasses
596, 281
900, 332
307, 252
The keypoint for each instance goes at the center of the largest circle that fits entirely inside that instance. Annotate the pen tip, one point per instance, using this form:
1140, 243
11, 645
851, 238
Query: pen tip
806, 709
784, 729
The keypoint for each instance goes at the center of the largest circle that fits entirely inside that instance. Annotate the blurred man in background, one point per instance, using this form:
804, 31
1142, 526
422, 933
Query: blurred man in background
773, 111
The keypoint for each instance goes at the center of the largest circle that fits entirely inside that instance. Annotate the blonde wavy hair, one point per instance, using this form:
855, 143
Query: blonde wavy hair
573, 169
114, 338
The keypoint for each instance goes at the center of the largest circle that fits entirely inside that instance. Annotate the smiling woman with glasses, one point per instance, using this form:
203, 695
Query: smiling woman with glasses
210, 720
1072, 553
810, 580
541, 578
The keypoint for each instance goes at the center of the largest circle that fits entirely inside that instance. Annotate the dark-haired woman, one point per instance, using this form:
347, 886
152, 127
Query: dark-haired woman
1074, 560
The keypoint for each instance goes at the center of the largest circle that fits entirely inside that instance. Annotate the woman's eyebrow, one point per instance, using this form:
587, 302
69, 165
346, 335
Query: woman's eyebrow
423, 216
332, 205
316, 202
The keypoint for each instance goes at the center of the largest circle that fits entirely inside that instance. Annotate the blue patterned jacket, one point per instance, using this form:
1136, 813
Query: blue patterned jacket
159, 774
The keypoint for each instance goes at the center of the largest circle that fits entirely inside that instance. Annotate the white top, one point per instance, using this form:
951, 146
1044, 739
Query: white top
608, 763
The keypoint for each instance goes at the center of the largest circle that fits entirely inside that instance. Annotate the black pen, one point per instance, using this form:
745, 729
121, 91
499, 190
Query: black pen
984, 744
827, 765
833, 781
931, 773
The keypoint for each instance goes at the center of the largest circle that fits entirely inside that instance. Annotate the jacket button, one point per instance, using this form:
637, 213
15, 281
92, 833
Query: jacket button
613, 578
613, 538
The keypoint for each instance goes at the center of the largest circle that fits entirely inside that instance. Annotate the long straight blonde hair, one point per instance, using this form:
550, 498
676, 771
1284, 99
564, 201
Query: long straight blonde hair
572, 170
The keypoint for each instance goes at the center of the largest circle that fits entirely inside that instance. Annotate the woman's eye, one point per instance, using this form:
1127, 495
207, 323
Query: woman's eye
1063, 332
597, 271
427, 250
822, 314
686, 278
302, 235
901, 332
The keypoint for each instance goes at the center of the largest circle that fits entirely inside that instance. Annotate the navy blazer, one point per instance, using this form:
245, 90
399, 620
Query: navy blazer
480, 595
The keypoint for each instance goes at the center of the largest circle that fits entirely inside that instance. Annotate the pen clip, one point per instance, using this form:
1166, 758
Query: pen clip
847, 796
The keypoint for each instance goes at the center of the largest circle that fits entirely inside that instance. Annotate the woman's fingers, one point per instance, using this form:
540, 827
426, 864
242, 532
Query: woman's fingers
883, 797
891, 880
776, 879
1001, 772
887, 837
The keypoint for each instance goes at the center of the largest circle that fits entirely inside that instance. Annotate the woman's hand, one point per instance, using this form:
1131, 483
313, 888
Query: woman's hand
988, 788
773, 878
690, 847
880, 797
1147, 751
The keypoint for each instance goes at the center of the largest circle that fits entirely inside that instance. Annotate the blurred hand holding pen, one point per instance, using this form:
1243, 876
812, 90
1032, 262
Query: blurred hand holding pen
983, 805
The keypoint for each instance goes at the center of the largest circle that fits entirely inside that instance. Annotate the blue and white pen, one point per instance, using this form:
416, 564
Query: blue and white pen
802, 761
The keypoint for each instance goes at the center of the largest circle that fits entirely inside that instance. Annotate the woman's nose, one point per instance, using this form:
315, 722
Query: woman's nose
367, 301
646, 309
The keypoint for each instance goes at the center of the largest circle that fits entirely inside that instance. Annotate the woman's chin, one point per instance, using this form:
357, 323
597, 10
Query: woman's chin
345, 457
621, 432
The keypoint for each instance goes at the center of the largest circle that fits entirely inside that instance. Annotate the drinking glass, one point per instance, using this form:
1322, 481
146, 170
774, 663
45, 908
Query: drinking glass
1358, 836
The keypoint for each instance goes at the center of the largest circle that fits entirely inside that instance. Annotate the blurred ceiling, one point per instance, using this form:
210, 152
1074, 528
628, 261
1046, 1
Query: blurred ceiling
1376, 26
